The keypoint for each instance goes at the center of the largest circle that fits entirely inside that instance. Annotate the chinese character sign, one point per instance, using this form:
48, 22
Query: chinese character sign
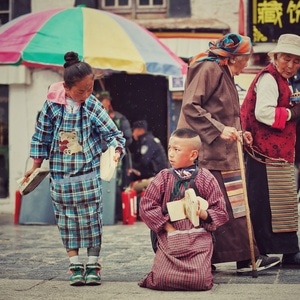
268, 19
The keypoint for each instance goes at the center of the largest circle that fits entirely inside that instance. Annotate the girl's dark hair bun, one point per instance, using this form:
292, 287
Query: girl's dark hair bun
71, 58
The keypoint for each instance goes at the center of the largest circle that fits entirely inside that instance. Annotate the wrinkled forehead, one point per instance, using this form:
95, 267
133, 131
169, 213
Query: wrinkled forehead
290, 56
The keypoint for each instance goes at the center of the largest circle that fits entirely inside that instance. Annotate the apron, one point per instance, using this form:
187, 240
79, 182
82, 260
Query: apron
75, 184
283, 197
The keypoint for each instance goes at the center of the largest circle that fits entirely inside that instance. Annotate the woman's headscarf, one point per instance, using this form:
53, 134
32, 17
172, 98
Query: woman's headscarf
221, 49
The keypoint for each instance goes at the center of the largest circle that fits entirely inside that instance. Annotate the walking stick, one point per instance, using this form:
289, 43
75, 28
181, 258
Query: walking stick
249, 224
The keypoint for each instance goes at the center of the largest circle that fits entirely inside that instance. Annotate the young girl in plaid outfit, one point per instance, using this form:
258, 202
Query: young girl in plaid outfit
69, 132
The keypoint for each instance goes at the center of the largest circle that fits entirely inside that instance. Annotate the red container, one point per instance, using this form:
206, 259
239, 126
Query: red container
129, 206
139, 198
18, 202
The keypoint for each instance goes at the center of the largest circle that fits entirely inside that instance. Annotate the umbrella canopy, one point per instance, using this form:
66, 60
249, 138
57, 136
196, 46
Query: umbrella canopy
104, 40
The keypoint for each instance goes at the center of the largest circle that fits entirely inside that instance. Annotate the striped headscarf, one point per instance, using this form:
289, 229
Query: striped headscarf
221, 49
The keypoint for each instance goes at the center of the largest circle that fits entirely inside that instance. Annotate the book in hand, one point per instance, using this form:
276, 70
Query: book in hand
187, 207
28, 185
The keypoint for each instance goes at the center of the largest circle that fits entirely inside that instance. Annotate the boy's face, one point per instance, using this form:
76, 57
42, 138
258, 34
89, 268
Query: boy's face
180, 153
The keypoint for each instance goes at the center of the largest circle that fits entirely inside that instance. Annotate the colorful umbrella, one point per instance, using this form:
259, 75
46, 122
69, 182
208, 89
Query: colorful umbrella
104, 40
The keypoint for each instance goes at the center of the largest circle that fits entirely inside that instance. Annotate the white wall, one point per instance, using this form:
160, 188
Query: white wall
24, 103
38, 5
223, 10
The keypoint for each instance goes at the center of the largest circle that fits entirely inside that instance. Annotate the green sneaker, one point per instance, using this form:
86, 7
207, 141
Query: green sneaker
77, 277
92, 274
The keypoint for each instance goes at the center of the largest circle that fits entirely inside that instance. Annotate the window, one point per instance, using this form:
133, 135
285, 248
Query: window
5, 11
128, 3
136, 9
116, 3
151, 3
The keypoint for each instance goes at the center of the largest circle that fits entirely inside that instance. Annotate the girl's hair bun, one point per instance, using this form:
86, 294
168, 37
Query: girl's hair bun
71, 58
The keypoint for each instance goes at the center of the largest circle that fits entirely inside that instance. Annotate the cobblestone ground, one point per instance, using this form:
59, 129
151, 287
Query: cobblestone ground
36, 252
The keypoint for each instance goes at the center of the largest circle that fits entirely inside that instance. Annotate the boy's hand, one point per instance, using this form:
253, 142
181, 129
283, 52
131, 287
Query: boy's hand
202, 214
169, 227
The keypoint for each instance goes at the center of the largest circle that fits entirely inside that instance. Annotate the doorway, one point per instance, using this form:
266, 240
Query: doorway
141, 97
4, 159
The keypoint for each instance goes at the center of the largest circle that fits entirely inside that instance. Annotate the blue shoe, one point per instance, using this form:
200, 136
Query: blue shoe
92, 274
77, 277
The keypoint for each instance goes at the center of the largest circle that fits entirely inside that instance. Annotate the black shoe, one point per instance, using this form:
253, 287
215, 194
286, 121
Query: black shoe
263, 262
291, 259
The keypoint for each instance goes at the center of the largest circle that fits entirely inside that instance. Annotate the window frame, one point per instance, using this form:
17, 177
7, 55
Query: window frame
7, 11
151, 5
132, 3
116, 5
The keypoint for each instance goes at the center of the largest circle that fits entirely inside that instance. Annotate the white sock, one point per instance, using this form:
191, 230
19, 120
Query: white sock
74, 259
92, 259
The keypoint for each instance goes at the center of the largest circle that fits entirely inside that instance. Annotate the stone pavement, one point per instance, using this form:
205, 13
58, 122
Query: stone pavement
33, 265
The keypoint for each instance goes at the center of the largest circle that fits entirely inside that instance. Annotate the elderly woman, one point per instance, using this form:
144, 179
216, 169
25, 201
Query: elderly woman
271, 116
211, 107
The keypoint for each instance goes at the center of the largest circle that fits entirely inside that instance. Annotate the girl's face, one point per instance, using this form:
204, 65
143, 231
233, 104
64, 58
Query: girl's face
287, 64
81, 90
180, 153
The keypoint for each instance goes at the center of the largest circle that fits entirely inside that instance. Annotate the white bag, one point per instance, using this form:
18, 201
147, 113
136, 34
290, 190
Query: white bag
107, 164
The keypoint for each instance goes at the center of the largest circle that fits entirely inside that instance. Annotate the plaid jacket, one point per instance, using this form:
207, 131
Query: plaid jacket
92, 126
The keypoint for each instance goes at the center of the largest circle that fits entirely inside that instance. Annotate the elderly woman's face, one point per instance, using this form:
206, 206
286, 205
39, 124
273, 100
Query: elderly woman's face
287, 64
237, 64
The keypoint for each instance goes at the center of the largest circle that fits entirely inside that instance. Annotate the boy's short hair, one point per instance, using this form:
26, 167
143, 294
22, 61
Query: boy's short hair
187, 133
184, 133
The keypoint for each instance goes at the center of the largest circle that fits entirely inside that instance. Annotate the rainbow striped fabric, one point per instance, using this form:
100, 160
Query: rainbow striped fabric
104, 40
283, 197
234, 187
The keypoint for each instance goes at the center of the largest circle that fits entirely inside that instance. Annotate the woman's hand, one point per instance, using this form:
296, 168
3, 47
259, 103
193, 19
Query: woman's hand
248, 139
230, 134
